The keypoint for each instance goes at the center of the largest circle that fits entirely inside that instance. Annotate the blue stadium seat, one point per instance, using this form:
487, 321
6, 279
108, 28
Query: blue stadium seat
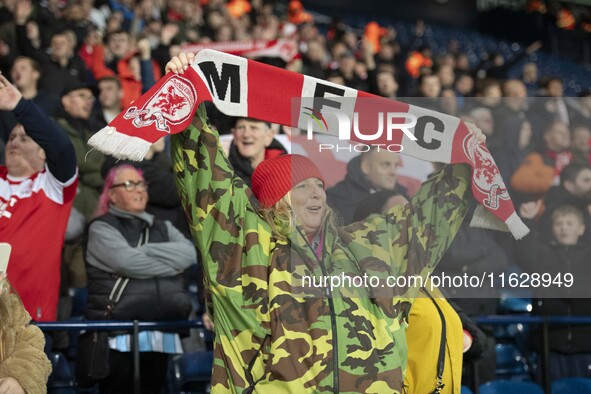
515, 333
61, 380
79, 296
510, 387
571, 385
191, 372
465, 390
475, 45
515, 304
511, 364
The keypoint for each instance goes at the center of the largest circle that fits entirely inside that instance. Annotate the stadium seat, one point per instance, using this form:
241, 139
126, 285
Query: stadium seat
511, 364
475, 45
61, 380
191, 372
79, 296
510, 387
571, 385
514, 303
465, 390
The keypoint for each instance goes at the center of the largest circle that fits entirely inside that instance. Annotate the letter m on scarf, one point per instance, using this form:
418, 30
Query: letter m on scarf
228, 84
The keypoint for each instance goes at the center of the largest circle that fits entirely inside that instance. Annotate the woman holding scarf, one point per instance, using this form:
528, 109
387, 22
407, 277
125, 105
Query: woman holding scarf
275, 331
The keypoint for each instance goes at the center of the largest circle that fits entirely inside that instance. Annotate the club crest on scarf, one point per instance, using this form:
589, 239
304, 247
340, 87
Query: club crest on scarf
172, 104
486, 175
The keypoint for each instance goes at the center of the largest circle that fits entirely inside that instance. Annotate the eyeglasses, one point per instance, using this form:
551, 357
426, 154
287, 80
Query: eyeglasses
131, 185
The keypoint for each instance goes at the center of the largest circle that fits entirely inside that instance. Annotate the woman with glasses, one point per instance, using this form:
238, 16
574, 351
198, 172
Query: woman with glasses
134, 266
163, 200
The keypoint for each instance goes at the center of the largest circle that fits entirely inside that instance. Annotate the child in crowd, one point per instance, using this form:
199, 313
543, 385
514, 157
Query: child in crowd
562, 269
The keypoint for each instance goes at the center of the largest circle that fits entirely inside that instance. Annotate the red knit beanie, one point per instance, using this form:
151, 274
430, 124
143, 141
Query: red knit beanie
273, 178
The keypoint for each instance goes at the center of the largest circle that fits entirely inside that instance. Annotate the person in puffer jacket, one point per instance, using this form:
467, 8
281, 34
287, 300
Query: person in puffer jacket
276, 331
24, 367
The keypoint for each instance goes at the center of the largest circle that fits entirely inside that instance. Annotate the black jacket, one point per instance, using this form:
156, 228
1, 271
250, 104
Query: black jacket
558, 196
538, 256
347, 194
54, 77
474, 251
243, 167
157, 298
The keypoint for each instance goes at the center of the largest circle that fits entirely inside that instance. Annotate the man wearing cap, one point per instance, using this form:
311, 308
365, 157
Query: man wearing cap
77, 101
37, 187
253, 142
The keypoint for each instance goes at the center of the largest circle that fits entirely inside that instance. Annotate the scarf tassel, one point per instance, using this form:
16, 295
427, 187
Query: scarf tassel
119, 145
485, 219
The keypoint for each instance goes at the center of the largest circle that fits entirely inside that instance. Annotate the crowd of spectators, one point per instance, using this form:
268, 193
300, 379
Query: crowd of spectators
566, 16
84, 61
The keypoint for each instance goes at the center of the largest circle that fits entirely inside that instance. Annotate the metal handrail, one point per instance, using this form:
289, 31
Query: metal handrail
136, 326
113, 325
526, 319
545, 321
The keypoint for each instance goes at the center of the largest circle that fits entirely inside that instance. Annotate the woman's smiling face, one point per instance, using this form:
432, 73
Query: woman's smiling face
308, 200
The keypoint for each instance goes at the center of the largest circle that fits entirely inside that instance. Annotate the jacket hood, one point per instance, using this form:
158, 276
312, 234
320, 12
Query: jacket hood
356, 176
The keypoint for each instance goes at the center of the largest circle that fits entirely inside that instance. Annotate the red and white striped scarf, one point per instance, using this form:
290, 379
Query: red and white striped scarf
283, 48
241, 87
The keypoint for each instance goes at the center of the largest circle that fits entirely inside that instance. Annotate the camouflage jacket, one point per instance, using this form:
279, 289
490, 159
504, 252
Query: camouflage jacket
272, 334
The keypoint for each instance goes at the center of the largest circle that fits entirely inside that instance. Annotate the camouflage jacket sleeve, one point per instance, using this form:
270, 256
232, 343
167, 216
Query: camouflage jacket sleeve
233, 240
410, 240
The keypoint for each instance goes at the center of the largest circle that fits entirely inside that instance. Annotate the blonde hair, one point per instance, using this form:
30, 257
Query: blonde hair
282, 220
7, 309
5, 291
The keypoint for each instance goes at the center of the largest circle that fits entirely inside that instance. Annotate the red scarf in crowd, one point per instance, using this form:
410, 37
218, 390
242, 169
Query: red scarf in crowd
241, 87
283, 48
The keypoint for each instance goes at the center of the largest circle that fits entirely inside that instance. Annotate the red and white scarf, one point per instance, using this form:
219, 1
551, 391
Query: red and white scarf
283, 48
241, 87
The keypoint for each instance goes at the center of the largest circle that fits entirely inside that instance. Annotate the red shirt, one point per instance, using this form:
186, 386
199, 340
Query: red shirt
34, 213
